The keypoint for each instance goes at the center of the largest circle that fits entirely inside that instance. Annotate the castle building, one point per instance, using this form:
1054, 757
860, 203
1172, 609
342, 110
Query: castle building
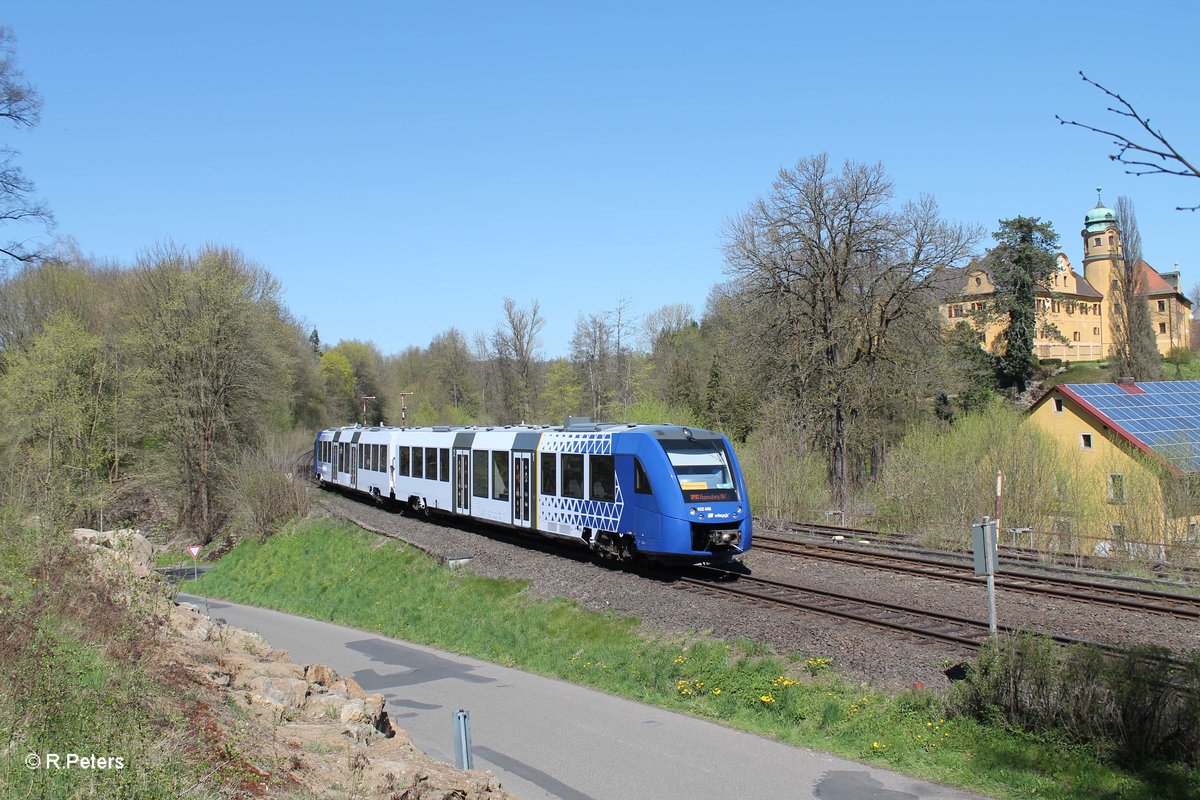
1075, 311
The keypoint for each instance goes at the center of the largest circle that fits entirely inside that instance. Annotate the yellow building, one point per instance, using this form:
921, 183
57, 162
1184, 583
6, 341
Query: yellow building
1075, 311
1137, 459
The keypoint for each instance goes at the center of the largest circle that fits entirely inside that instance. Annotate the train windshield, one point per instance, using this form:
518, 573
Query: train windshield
702, 468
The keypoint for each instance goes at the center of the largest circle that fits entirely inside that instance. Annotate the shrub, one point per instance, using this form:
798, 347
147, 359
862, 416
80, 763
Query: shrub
265, 488
1133, 703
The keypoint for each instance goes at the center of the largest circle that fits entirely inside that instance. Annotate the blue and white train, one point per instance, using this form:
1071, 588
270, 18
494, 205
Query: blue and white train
663, 492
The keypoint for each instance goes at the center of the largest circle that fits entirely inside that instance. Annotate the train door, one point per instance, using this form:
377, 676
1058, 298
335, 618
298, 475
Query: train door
354, 466
462, 481
522, 493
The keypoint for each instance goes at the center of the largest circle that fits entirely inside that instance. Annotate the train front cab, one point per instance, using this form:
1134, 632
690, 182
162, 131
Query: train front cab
689, 500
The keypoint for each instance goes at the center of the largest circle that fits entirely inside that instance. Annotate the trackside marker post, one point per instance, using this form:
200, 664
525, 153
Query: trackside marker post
462, 739
986, 549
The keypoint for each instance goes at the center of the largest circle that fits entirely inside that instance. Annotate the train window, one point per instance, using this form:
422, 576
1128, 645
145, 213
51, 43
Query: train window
641, 481
418, 463
342, 457
380, 457
604, 482
572, 475
549, 473
444, 473
431, 463
403, 460
358, 456
500, 475
702, 467
479, 473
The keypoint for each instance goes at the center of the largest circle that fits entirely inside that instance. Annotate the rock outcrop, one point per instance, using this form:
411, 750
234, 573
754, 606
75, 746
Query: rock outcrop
332, 733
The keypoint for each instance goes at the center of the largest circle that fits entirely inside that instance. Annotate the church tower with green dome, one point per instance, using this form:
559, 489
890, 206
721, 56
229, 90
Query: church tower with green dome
1101, 252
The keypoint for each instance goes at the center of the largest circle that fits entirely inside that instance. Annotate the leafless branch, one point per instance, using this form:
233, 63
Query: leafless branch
1157, 157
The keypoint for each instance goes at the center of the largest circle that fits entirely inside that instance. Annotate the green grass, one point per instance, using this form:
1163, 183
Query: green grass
334, 571
1080, 372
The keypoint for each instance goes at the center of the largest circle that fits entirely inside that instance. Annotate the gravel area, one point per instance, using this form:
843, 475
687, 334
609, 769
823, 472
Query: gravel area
860, 653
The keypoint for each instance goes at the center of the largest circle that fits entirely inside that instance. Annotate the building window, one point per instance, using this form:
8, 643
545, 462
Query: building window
1162, 327
1097, 240
1095, 331
1085, 441
1162, 305
1076, 335
1053, 306
1116, 488
1112, 240
1096, 308
982, 338
978, 281
1117, 531
1084, 308
1058, 405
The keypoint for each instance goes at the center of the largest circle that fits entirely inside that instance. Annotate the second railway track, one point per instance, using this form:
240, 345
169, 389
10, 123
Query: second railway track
924, 623
1156, 602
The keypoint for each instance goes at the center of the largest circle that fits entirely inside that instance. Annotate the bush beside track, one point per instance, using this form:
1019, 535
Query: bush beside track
336, 572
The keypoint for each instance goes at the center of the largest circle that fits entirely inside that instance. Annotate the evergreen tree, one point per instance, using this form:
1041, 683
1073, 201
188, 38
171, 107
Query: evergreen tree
1135, 348
314, 341
1021, 263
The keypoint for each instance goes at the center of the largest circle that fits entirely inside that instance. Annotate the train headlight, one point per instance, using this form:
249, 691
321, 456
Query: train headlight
692, 511
739, 510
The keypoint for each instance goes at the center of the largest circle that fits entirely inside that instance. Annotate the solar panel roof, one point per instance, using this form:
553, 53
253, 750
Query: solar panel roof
1162, 415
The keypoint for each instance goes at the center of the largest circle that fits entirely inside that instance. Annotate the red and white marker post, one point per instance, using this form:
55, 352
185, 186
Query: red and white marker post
195, 551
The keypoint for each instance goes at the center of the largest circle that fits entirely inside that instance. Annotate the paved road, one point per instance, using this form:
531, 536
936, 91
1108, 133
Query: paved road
544, 738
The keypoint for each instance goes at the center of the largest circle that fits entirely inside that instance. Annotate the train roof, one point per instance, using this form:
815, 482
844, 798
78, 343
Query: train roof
572, 425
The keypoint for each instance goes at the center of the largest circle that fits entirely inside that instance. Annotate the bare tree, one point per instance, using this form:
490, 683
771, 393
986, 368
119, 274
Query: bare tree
21, 106
1135, 350
515, 344
839, 272
1153, 156
592, 356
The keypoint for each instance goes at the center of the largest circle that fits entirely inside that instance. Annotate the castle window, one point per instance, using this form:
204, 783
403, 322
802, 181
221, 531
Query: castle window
1084, 308
1112, 240
1162, 327
1162, 305
1095, 331
1077, 336
1096, 308
978, 281
1097, 241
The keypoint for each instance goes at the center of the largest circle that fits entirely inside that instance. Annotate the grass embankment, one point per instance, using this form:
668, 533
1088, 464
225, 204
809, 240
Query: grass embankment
74, 657
334, 571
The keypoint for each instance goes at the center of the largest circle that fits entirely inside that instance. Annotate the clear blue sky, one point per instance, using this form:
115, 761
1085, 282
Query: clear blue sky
401, 167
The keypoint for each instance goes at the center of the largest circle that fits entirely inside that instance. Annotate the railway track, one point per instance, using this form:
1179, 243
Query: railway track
965, 632
1188, 575
1061, 587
